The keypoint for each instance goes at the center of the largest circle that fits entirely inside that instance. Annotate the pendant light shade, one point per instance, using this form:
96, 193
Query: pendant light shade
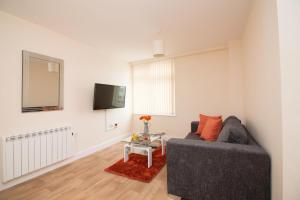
158, 48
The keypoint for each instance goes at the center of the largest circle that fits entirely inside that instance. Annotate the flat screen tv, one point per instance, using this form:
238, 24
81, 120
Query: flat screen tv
109, 96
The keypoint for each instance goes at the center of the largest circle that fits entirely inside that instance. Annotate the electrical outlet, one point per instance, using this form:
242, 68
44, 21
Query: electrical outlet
111, 126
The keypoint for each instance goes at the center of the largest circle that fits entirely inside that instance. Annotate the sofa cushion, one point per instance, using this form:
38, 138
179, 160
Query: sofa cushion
231, 120
203, 120
233, 132
238, 135
251, 140
211, 129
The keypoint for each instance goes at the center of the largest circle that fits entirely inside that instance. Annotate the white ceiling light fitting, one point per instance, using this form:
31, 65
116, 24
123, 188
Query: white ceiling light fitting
158, 46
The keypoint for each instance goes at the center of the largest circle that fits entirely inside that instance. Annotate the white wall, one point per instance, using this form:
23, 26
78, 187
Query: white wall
83, 66
289, 32
236, 79
262, 84
202, 85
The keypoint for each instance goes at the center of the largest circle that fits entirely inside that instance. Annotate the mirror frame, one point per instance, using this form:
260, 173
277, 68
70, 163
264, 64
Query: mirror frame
26, 55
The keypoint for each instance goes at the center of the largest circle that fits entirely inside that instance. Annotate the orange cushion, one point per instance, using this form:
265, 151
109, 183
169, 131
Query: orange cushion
211, 129
203, 119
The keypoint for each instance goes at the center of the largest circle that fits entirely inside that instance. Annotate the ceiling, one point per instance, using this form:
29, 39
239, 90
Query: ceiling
126, 28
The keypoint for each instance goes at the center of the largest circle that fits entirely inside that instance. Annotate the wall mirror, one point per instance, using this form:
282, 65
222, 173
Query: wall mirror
42, 88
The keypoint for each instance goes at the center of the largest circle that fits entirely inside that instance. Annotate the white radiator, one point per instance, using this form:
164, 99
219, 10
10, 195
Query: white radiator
23, 154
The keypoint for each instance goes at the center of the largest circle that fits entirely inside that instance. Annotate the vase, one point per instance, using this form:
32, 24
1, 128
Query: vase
146, 128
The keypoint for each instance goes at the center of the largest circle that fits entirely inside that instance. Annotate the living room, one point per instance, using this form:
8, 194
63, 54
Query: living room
170, 61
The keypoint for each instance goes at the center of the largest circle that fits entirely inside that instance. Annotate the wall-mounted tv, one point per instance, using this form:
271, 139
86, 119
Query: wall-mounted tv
109, 96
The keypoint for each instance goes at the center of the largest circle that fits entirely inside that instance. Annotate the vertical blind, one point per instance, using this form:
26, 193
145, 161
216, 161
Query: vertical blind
154, 88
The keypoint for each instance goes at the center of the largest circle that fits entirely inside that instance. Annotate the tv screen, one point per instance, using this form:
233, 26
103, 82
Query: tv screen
109, 96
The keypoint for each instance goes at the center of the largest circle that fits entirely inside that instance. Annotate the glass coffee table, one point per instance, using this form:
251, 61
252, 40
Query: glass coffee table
144, 146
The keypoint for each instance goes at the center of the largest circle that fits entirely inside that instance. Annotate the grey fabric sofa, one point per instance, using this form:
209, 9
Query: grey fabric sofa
220, 170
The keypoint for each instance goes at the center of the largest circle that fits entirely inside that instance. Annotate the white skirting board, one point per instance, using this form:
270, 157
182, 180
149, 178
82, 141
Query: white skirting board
77, 156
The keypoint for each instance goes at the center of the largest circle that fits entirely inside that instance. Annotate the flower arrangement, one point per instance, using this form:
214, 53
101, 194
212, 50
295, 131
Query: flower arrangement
146, 119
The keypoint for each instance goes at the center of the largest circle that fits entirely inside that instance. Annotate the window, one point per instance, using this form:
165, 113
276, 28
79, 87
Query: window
154, 88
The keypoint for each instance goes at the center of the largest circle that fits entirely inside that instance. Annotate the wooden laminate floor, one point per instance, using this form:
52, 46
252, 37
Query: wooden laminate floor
86, 179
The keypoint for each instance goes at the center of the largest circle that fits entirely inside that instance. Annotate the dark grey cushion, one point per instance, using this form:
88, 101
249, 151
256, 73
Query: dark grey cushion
231, 120
233, 132
238, 135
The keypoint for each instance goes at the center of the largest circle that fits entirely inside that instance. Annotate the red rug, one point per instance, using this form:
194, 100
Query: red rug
136, 167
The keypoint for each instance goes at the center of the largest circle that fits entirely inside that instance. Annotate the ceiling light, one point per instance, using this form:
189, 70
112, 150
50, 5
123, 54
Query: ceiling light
158, 48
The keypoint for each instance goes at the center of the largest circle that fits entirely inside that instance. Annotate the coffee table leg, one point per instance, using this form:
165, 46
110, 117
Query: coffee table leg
126, 151
162, 146
149, 151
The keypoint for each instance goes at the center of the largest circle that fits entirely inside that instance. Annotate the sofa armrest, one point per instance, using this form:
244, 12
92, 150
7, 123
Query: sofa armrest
215, 170
194, 126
